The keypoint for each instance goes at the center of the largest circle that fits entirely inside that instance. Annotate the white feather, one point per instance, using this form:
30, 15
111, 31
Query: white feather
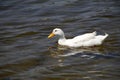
88, 39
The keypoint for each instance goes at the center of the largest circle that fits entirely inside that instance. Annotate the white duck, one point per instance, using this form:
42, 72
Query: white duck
88, 39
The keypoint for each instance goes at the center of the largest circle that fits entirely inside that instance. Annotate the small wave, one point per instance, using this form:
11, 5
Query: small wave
88, 55
70, 54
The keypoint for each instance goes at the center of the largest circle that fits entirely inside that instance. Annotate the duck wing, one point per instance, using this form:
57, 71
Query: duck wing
98, 40
84, 37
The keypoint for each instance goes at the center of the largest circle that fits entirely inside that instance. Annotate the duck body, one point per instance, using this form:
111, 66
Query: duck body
85, 40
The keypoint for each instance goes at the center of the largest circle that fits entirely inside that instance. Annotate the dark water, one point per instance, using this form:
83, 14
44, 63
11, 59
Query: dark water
27, 54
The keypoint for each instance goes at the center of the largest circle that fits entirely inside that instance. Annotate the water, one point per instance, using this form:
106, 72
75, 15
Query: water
27, 54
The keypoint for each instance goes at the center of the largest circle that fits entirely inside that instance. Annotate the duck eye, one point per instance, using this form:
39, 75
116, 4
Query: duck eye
55, 30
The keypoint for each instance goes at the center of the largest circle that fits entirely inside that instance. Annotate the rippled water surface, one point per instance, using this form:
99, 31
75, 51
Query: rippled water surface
27, 54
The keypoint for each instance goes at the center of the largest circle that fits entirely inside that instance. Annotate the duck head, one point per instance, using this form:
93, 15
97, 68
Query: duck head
57, 32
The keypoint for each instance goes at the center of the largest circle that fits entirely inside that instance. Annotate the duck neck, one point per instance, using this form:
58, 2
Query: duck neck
62, 39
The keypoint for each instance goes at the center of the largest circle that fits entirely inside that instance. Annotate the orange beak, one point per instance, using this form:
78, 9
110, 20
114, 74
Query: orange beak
51, 35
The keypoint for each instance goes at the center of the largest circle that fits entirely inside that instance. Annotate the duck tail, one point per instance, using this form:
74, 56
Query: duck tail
106, 35
94, 32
